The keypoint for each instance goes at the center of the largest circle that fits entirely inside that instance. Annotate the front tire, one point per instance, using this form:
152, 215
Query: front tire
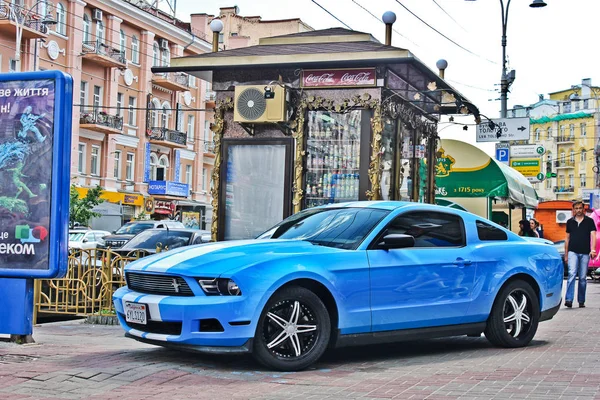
293, 330
515, 316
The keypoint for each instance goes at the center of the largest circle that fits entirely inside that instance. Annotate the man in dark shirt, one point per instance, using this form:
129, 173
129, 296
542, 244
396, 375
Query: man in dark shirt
581, 231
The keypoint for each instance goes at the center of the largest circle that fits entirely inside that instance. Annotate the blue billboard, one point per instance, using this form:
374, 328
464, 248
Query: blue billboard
169, 188
35, 164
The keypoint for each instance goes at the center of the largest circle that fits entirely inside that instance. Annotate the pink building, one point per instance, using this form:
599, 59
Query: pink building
139, 135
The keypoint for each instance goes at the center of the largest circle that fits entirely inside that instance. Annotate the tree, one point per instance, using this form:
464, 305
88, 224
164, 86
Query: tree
80, 209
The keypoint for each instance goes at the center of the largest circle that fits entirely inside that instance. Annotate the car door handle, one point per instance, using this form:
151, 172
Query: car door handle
462, 261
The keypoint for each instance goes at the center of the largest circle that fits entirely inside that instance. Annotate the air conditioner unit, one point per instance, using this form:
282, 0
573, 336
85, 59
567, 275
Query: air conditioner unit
251, 106
97, 14
164, 44
563, 215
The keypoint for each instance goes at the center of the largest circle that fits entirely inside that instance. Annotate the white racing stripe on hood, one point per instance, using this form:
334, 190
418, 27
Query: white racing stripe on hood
171, 261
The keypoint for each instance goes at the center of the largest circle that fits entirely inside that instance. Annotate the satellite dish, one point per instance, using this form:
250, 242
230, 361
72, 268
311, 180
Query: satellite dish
251, 104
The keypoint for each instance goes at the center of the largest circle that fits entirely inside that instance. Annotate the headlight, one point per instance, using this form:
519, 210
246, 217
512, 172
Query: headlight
219, 287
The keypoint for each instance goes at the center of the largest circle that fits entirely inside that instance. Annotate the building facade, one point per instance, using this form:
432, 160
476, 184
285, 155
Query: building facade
567, 126
144, 137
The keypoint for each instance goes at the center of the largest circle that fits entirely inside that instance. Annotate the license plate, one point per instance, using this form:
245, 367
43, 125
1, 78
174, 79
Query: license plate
135, 313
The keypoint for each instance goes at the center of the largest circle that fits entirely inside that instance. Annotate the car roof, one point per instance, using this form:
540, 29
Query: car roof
201, 231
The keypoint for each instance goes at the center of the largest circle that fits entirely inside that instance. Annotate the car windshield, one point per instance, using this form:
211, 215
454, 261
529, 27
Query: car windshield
133, 228
343, 228
76, 237
167, 239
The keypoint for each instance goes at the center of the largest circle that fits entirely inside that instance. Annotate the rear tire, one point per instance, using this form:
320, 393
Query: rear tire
515, 316
293, 330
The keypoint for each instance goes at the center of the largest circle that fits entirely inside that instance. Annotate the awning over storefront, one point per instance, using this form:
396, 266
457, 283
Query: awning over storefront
463, 170
134, 199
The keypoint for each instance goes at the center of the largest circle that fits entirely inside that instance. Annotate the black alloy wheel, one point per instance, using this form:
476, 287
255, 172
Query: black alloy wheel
293, 331
515, 316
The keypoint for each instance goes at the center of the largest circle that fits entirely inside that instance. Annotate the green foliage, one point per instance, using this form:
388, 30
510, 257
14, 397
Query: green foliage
80, 209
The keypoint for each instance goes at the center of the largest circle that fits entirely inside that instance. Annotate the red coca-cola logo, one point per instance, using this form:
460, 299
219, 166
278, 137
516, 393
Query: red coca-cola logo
342, 77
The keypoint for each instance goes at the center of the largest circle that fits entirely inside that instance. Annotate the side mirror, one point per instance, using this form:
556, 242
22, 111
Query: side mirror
397, 241
85, 240
114, 232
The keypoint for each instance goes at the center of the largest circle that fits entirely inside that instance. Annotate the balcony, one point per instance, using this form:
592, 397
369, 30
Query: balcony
101, 122
565, 139
563, 189
168, 137
564, 164
176, 81
104, 55
33, 26
209, 148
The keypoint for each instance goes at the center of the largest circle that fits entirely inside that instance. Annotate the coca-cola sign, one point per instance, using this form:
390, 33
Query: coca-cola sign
338, 77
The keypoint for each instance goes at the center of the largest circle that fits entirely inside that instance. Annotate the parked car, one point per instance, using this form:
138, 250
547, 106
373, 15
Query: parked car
343, 275
83, 239
130, 229
560, 247
151, 240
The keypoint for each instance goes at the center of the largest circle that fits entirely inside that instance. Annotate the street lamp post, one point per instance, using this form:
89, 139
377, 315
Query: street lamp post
508, 78
21, 16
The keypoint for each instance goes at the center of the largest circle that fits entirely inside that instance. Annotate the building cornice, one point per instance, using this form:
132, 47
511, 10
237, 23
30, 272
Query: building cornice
127, 140
187, 154
161, 26
84, 133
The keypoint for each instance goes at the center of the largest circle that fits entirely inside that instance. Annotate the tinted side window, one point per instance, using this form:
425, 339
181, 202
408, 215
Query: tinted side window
430, 229
489, 232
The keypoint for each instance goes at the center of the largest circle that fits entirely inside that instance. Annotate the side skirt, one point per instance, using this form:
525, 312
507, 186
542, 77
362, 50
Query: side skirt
409, 334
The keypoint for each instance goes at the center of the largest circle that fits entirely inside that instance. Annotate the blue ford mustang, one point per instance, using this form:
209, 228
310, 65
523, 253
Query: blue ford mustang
342, 275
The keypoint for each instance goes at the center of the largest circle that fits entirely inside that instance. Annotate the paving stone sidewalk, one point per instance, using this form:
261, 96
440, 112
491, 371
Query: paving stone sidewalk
74, 360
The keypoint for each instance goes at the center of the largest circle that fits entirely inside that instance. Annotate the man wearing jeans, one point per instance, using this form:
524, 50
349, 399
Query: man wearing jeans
581, 231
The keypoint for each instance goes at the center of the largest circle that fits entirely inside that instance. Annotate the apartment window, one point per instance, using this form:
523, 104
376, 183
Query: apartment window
548, 183
190, 128
155, 55
129, 168
562, 158
188, 174
576, 105
206, 131
164, 116
87, 27
549, 133
99, 34
122, 42
586, 104
83, 94
166, 58
562, 181
537, 135
221, 37
572, 130
583, 155
582, 180
61, 19
572, 157
81, 158
120, 98
192, 80
97, 98
571, 180
117, 172
42, 8
567, 107
131, 117
582, 127
204, 179
95, 161
562, 132
135, 50
12, 66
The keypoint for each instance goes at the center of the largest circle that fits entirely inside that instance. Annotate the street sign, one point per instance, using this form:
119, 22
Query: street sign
540, 177
529, 168
502, 155
503, 129
527, 150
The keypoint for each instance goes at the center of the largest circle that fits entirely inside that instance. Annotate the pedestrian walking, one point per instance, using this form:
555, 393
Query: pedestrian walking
581, 231
535, 227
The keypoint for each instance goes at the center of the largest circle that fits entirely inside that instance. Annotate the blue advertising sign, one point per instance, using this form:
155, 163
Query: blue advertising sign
178, 166
147, 164
35, 164
169, 188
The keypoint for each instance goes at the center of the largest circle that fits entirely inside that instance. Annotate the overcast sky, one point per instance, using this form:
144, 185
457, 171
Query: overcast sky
551, 48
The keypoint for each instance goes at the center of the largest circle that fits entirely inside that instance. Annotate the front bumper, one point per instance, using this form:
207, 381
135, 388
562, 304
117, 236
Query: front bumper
245, 348
199, 321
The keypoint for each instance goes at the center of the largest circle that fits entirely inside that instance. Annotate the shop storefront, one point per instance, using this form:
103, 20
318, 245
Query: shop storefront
316, 118
131, 204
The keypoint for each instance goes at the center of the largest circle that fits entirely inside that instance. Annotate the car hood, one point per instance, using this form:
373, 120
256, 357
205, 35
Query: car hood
214, 259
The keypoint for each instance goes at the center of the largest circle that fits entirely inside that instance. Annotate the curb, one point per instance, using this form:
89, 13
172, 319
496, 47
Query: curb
102, 320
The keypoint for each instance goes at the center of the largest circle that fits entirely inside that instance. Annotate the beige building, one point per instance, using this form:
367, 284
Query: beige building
240, 31
137, 134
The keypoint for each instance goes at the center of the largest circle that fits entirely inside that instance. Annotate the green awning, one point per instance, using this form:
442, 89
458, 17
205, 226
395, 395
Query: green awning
463, 170
561, 117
